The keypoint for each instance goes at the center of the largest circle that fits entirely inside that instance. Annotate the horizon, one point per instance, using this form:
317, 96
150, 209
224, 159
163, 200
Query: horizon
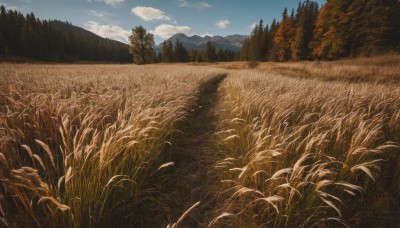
114, 19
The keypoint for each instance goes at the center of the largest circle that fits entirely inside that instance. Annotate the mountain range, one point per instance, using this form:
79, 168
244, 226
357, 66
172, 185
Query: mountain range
231, 42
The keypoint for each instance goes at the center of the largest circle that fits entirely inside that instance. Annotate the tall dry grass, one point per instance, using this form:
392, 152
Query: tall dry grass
380, 69
308, 153
89, 146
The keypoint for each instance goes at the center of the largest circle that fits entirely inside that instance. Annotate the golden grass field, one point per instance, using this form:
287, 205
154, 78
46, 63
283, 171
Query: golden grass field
308, 144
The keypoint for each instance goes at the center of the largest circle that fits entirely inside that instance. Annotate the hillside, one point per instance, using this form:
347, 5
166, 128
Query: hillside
27, 37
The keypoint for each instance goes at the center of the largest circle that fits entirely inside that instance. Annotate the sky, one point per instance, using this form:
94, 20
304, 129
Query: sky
115, 18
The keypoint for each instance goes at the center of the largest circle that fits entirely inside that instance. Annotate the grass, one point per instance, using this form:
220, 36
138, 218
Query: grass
304, 153
378, 69
87, 146
298, 144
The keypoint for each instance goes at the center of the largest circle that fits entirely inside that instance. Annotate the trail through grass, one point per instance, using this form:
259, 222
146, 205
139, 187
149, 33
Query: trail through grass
195, 156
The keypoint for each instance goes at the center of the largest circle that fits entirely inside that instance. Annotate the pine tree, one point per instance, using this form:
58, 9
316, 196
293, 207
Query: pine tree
167, 55
180, 53
209, 52
304, 20
271, 55
382, 16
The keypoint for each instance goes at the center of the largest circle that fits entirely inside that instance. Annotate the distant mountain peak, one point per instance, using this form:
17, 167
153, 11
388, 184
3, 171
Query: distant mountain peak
196, 42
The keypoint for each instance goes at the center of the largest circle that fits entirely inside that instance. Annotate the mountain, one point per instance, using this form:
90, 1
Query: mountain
232, 42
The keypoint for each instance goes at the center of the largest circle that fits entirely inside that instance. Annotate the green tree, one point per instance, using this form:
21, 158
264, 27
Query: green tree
142, 46
167, 52
373, 26
180, 53
306, 16
209, 53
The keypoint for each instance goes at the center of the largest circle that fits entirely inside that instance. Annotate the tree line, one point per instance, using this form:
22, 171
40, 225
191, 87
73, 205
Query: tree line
338, 29
29, 37
142, 49
177, 53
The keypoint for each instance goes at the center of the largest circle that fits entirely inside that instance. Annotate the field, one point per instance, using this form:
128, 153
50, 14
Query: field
308, 144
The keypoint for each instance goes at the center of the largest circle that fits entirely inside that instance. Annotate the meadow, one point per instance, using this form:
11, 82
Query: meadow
308, 144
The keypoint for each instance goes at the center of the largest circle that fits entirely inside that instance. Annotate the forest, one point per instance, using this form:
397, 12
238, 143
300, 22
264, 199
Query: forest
338, 29
177, 53
27, 37
335, 30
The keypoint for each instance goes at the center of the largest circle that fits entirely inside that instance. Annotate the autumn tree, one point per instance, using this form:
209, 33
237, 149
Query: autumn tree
283, 37
330, 34
142, 46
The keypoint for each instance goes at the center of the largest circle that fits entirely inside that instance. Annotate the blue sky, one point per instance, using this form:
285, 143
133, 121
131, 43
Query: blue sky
115, 18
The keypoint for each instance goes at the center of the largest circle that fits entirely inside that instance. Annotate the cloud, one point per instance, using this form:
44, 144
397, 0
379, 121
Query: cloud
109, 31
98, 13
222, 23
183, 3
108, 2
113, 2
150, 14
166, 31
253, 25
9, 7
203, 5
187, 4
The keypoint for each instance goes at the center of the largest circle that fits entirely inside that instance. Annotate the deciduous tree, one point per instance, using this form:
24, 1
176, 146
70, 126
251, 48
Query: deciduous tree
142, 46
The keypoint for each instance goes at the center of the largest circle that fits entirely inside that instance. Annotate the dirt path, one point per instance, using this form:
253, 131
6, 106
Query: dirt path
196, 155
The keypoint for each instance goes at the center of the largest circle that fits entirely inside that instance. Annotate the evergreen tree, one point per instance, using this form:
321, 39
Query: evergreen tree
271, 55
167, 52
180, 54
304, 20
382, 16
209, 53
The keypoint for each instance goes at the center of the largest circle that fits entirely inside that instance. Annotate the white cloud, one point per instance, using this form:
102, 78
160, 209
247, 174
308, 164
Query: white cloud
108, 2
113, 2
98, 13
222, 23
253, 25
166, 31
9, 7
198, 5
150, 14
203, 5
183, 3
109, 31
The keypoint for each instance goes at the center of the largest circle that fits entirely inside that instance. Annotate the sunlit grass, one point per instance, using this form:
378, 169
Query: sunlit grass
88, 145
302, 153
